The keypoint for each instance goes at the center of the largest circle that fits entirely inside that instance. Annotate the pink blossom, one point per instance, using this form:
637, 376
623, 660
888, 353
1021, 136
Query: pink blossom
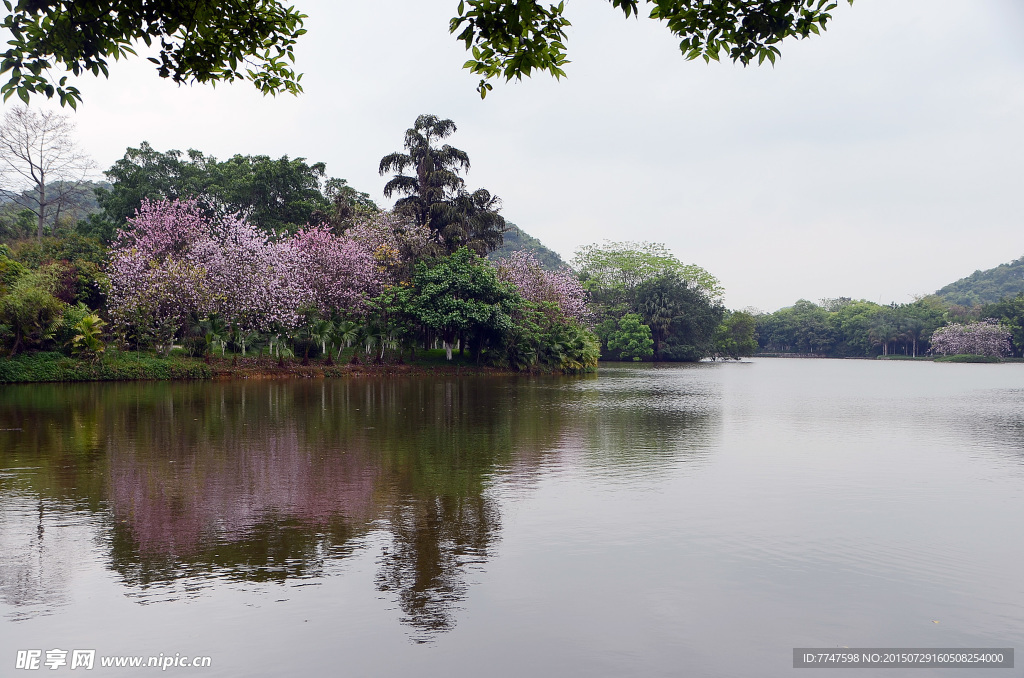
535, 284
339, 273
987, 338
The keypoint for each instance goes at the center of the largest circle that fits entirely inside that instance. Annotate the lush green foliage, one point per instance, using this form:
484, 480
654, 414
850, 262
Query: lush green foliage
1010, 314
29, 312
461, 297
677, 302
214, 40
435, 195
736, 337
621, 267
43, 366
542, 338
967, 358
88, 339
631, 339
846, 328
986, 287
278, 196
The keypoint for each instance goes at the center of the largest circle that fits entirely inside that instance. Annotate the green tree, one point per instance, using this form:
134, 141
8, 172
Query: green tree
735, 337
512, 39
631, 338
88, 339
461, 297
620, 267
662, 300
278, 195
30, 311
1010, 313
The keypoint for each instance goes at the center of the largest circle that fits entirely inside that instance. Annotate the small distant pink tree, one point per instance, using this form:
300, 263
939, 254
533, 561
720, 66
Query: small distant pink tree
536, 284
987, 338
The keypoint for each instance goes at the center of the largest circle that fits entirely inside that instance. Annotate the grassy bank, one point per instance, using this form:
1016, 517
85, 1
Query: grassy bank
129, 366
968, 358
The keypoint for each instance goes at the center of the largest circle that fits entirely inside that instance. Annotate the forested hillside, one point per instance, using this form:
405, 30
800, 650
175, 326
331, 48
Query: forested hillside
516, 239
986, 287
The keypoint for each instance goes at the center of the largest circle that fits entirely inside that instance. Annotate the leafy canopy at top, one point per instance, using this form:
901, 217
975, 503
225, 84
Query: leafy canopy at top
224, 40
624, 266
199, 41
513, 39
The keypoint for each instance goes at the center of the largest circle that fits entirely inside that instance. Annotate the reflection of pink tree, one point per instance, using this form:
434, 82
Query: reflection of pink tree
987, 338
223, 491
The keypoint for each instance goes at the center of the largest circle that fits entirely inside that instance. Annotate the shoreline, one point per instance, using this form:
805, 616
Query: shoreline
37, 368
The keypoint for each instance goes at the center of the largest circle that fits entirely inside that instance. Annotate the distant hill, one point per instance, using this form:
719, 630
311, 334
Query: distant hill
986, 287
517, 239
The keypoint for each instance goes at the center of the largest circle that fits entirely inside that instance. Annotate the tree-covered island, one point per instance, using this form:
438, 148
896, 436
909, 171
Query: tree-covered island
183, 265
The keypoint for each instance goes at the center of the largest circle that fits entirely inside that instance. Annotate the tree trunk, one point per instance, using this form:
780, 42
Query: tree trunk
17, 342
41, 189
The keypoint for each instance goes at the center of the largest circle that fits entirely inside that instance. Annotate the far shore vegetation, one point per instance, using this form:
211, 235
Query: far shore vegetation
183, 266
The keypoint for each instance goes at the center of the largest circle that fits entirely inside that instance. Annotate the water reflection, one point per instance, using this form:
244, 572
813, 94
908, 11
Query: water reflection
178, 487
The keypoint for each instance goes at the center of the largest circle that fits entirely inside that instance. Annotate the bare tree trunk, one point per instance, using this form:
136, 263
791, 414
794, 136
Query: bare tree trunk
41, 189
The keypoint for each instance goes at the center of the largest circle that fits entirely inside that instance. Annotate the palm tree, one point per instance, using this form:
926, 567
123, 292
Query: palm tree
435, 195
436, 170
320, 332
345, 334
472, 219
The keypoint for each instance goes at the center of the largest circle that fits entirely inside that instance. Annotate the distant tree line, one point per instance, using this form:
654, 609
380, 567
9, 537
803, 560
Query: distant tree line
847, 328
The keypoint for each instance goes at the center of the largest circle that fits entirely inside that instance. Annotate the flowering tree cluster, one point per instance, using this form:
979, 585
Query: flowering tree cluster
171, 263
337, 272
536, 284
987, 338
395, 241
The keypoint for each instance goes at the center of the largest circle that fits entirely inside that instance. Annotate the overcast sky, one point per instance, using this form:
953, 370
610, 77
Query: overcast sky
880, 160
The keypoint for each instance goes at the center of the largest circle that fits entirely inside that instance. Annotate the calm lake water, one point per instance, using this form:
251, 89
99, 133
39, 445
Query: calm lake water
697, 520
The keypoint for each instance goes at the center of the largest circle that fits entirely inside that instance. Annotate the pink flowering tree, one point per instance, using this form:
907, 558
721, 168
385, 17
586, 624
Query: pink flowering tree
259, 283
155, 285
163, 228
171, 263
987, 338
536, 284
396, 242
338, 272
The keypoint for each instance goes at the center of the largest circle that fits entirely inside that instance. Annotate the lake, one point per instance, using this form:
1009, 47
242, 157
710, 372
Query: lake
650, 520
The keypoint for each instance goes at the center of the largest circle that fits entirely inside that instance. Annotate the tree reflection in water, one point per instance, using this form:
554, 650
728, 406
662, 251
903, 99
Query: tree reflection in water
195, 483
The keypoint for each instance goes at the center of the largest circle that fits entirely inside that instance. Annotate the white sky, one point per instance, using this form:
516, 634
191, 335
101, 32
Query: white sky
880, 160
